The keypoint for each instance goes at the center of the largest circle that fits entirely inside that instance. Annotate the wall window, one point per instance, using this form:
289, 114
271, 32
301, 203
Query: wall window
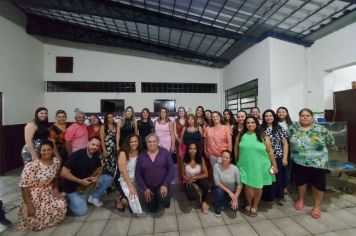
178, 88
68, 86
242, 97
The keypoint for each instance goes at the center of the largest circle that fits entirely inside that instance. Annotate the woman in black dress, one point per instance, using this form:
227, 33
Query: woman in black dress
144, 126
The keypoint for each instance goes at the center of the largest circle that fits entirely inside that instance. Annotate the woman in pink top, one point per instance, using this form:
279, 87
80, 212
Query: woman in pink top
217, 139
195, 174
164, 130
76, 136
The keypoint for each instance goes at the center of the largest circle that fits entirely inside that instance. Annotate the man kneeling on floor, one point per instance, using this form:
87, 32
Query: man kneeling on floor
82, 173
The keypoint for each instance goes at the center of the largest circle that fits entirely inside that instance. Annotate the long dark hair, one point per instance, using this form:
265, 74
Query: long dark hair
259, 132
209, 122
185, 114
187, 159
37, 121
148, 118
126, 147
288, 119
106, 123
275, 125
232, 120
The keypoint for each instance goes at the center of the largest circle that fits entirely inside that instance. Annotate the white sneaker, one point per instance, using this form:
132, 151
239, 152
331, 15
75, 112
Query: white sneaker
95, 201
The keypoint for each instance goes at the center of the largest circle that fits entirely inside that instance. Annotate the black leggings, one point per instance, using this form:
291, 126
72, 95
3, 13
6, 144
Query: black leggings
203, 184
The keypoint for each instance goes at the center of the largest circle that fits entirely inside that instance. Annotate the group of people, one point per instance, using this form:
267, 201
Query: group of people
68, 166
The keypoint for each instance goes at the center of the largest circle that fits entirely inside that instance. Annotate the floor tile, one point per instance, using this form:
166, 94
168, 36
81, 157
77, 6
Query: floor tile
332, 222
189, 221
195, 232
99, 213
210, 219
221, 230
346, 232
289, 227
116, 227
230, 217
176, 233
274, 213
92, 228
242, 229
167, 223
67, 229
312, 225
141, 225
266, 228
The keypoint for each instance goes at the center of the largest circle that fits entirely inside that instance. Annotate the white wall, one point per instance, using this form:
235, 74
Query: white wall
330, 52
252, 64
103, 66
337, 80
288, 76
21, 67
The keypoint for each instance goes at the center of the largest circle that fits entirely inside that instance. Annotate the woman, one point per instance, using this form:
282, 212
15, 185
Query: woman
309, 153
154, 174
284, 119
227, 183
208, 118
192, 133
178, 126
145, 126
56, 135
241, 117
127, 165
126, 126
217, 138
195, 174
230, 121
35, 132
278, 138
94, 127
42, 206
285, 122
108, 144
256, 163
255, 111
200, 116
164, 129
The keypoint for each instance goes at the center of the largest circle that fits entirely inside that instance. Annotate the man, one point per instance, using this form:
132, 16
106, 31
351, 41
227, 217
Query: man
3, 220
76, 136
77, 171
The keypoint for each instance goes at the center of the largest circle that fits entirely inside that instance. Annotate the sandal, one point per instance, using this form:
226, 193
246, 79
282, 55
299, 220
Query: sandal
119, 203
205, 208
254, 212
299, 205
247, 210
315, 213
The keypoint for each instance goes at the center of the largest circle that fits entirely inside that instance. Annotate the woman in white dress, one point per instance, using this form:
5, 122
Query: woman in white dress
127, 165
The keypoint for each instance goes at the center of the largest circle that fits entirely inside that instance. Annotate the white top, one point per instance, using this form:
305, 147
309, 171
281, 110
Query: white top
131, 166
190, 172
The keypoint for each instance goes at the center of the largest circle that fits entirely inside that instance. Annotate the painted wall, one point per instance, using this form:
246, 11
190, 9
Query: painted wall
328, 53
337, 80
252, 64
21, 78
105, 66
288, 68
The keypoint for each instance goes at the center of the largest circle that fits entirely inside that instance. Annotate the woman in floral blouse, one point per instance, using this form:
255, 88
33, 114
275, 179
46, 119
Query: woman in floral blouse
310, 156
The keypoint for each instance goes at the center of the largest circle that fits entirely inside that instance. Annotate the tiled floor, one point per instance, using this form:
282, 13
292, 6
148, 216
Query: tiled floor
185, 218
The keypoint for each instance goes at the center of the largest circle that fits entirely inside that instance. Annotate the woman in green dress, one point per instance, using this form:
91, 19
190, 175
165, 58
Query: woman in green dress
255, 161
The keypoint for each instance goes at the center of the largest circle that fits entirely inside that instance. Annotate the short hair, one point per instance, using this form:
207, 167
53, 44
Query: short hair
307, 110
152, 135
95, 137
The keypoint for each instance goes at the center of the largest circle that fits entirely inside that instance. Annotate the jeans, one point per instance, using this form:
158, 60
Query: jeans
156, 199
78, 202
221, 197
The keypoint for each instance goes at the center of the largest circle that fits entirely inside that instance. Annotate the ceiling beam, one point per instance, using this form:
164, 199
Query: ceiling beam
124, 12
349, 1
37, 25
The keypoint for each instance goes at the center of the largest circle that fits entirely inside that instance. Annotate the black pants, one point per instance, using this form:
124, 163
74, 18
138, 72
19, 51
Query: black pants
190, 191
276, 190
156, 199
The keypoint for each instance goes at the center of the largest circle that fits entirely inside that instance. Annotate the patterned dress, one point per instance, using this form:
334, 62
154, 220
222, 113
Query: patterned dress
50, 211
110, 162
308, 148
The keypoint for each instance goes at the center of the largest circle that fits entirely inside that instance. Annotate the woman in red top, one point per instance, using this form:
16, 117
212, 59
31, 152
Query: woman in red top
94, 127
